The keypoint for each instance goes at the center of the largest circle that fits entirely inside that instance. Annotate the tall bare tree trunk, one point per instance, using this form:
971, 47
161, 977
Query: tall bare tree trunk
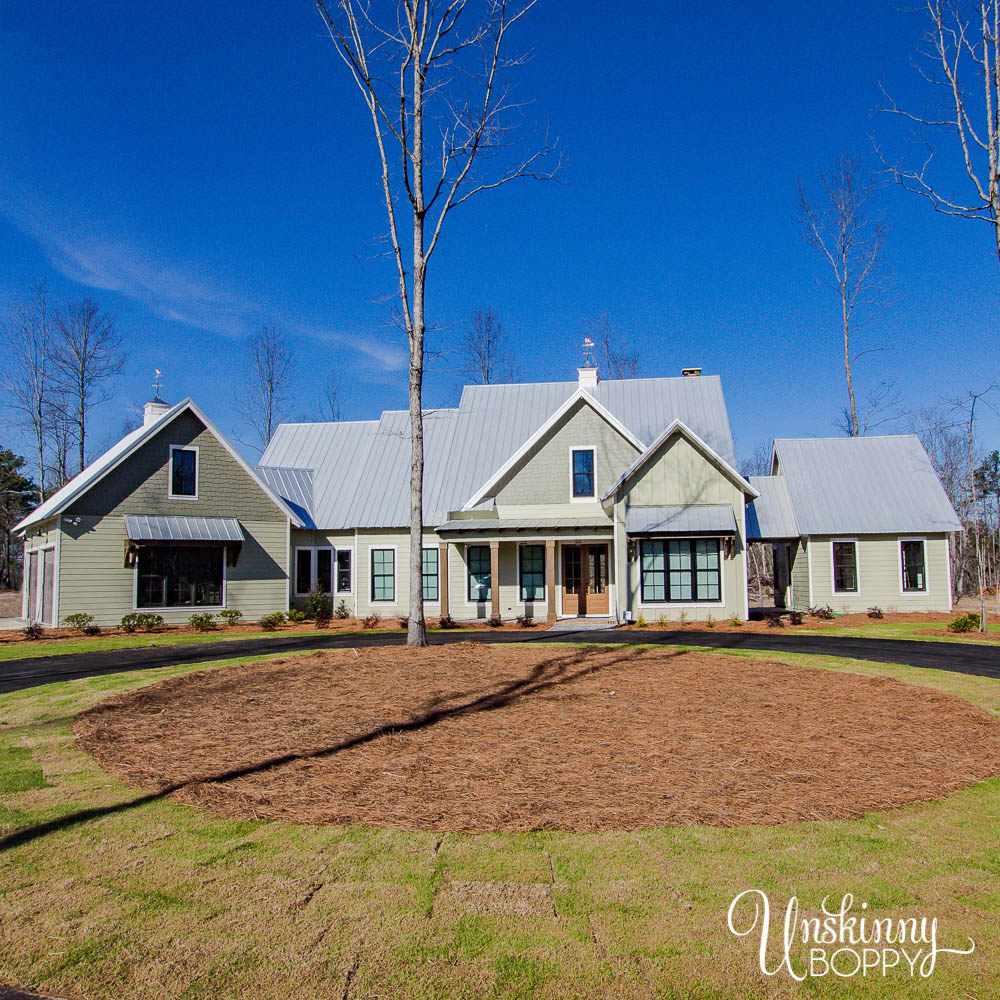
855, 430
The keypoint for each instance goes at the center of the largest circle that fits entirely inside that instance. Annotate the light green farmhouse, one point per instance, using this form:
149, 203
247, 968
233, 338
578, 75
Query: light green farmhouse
591, 499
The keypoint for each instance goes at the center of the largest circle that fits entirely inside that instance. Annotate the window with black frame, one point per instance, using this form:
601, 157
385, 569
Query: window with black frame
180, 576
912, 553
532, 572
344, 582
845, 568
183, 472
480, 584
429, 573
583, 473
383, 574
681, 570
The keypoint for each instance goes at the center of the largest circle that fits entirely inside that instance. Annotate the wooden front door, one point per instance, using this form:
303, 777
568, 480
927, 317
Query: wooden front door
585, 580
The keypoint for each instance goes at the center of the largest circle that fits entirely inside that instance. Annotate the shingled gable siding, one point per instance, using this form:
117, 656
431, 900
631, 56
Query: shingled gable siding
878, 575
800, 575
93, 576
681, 474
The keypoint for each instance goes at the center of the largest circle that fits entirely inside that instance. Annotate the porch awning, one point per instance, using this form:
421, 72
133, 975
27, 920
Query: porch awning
494, 525
145, 528
686, 519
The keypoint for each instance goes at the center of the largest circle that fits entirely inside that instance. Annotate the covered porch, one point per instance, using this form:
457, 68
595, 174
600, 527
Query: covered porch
542, 569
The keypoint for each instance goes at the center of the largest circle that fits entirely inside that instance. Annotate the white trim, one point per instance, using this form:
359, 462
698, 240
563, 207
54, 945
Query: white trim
35, 614
679, 427
947, 563
337, 592
857, 569
593, 496
314, 567
545, 590
24, 579
721, 603
899, 556
357, 564
493, 583
171, 495
430, 548
746, 572
371, 574
288, 574
192, 608
809, 564
55, 578
580, 394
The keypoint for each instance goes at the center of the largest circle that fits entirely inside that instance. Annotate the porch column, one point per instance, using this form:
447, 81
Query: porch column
443, 577
495, 578
550, 576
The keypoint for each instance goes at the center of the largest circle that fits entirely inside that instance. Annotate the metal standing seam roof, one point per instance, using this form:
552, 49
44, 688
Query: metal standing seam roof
864, 486
361, 469
295, 487
148, 528
770, 515
684, 519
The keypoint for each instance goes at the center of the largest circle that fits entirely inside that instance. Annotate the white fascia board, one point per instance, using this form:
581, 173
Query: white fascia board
679, 427
580, 394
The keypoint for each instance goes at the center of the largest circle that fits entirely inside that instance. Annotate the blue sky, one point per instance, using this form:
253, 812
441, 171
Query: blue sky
201, 168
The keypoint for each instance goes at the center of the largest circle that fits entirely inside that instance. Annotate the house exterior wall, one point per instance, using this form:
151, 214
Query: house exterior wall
800, 575
46, 535
93, 576
879, 579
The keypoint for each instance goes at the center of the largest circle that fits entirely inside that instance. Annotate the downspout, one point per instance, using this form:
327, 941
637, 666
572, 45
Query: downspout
614, 547
357, 571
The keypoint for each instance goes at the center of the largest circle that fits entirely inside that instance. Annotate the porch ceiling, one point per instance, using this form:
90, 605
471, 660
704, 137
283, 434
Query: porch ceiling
510, 526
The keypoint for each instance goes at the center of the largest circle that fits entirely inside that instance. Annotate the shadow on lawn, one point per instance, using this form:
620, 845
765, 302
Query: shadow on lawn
544, 676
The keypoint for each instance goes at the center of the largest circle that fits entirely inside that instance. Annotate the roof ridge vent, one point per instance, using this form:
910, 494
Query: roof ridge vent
690, 372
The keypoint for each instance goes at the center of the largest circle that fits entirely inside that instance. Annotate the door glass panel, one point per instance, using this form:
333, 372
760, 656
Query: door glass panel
598, 566
571, 570
48, 585
32, 584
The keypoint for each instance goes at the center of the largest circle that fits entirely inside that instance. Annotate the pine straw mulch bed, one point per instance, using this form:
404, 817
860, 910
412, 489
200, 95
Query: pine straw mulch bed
473, 737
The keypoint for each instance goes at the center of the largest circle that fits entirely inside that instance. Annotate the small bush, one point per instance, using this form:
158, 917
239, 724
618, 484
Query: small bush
525, 621
33, 630
202, 621
875, 612
129, 623
149, 622
372, 620
736, 620
663, 621
775, 621
682, 617
710, 621
795, 617
319, 607
447, 622
641, 622
295, 615
825, 613
81, 621
231, 616
494, 621
404, 621
273, 621
964, 623
341, 611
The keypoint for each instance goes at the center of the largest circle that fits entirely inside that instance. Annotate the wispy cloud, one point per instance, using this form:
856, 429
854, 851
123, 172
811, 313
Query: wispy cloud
387, 356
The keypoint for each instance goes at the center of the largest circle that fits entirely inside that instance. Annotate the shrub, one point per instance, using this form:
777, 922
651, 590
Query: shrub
641, 622
875, 612
231, 616
736, 620
149, 622
33, 630
272, 621
825, 613
775, 620
682, 617
663, 621
295, 615
404, 621
372, 620
129, 623
447, 622
341, 611
964, 623
494, 621
710, 621
795, 617
80, 621
525, 621
319, 607
202, 621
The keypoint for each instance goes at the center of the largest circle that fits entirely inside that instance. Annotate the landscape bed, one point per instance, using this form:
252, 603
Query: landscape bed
475, 738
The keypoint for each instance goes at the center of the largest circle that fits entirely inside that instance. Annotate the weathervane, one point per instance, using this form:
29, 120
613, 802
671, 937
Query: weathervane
157, 382
588, 352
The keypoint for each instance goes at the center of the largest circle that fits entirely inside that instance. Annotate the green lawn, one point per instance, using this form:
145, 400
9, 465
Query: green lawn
910, 630
160, 900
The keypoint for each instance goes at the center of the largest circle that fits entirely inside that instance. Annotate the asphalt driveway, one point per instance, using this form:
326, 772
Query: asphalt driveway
967, 658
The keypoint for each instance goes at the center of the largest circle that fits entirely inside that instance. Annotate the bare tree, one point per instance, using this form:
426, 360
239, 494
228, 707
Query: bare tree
86, 359
263, 402
850, 236
614, 358
882, 405
760, 562
960, 59
485, 354
28, 342
431, 76
329, 404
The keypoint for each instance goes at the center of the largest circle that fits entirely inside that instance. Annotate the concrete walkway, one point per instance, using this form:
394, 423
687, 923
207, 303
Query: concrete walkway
967, 658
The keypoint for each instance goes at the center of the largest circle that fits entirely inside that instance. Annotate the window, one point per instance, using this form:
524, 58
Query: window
313, 570
344, 582
478, 561
532, 572
845, 568
183, 472
180, 576
383, 574
430, 574
582, 460
911, 552
685, 570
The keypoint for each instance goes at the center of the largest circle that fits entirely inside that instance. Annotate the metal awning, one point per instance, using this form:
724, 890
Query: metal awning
145, 528
688, 519
501, 525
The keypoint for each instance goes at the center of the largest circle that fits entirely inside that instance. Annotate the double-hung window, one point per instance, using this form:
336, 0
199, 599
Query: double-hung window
532, 572
383, 574
429, 570
913, 560
345, 584
480, 583
183, 473
313, 570
681, 570
845, 567
582, 474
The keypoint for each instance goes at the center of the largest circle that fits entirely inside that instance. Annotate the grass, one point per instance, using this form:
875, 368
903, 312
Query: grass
909, 630
161, 900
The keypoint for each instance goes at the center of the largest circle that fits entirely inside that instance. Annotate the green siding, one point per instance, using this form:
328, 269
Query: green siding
800, 575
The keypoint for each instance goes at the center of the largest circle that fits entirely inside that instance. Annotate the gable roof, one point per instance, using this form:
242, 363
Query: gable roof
863, 485
770, 515
361, 470
117, 453
679, 427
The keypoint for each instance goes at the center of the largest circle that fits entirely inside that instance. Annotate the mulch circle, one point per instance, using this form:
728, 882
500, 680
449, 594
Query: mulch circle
473, 737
